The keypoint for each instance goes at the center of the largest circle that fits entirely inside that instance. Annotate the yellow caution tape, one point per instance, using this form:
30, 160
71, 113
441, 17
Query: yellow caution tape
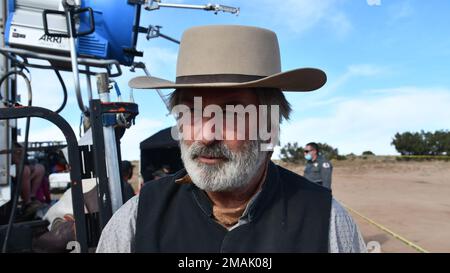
385, 229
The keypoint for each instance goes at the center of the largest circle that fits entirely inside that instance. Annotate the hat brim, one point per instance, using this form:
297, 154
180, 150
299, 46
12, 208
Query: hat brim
300, 80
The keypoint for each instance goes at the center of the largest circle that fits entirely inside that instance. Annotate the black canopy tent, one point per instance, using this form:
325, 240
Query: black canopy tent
158, 150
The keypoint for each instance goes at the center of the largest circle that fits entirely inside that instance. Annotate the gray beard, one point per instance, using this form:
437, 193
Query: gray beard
234, 173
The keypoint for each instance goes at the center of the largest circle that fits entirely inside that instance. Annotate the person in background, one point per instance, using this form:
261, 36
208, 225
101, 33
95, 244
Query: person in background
318, 169
127, 174
32, 178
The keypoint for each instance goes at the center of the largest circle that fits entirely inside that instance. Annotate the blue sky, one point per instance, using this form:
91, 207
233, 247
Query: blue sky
388, 67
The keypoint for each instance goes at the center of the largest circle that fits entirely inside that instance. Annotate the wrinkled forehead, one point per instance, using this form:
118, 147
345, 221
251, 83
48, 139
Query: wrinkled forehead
219, 96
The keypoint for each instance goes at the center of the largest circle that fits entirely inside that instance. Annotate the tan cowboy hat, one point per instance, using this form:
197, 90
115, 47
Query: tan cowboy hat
233, 57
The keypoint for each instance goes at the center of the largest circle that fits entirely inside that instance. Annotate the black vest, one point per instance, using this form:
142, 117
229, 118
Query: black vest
291, 214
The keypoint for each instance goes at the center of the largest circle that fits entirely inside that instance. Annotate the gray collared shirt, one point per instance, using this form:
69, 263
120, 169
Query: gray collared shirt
118, 235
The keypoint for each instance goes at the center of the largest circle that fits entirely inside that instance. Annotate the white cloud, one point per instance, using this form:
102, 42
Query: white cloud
340, 24
364, 70
326, 95
48, 93
369, 123
374, 2
43, 133
303, 15
161, 61
401, 10
144, 128
357, 70
46, 89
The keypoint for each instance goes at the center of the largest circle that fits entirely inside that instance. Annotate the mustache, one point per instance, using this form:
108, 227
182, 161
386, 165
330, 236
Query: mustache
216, 149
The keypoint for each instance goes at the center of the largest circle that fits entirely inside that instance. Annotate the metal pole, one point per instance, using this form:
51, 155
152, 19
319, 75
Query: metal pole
209, 7
5, 129
74, 54
111, 154
88, 82
98, 141
181, 6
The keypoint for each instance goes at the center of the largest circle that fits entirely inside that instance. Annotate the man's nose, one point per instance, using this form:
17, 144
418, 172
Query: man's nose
210, 131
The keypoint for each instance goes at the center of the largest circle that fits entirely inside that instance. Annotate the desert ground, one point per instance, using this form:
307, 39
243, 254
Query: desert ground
410, 199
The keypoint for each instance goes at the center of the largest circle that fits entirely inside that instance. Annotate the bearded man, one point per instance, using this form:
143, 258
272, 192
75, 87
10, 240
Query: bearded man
231, 197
